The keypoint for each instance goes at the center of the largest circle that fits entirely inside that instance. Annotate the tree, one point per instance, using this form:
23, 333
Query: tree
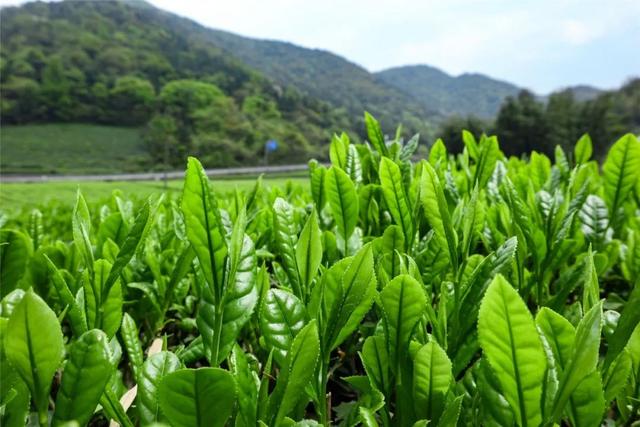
21, 100
184, 101
521, 125
450, 131
258, 106
160, 137
56, 91
99, 94
203, 120
131, 100
562, 119
599, 119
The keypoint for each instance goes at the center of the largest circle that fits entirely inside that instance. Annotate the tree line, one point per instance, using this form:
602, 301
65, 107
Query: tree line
526, 123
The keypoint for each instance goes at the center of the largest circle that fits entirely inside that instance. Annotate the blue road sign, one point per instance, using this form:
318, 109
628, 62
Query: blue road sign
272, 145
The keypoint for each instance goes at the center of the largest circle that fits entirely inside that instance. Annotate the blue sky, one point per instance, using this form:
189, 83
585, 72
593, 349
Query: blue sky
543, 45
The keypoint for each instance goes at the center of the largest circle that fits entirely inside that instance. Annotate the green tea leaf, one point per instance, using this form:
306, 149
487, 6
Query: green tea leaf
451, 413
438, 154
317, 185
204, 226
583, 360
539, 170
375, 359
437, 212
494, 407
219, 324
591, 287
338, 150
286, 239
281, 318
629, 319
248, 385
367, 417
403, 303
103, 311
396, 198
617, 376
34, 346
343, 200
135, 237
410, 148
76, 312
473, 222
588, 402
620, 172
153, 370
129, 335
583, 149
15, 398
510, 342
347, 298
309, 251
432, 377
497, 262
389, 246
197, 397
86, 374
560, 335
374, 133
489, 155
15, 251
81, 227
295, 375
594, 217
471, 144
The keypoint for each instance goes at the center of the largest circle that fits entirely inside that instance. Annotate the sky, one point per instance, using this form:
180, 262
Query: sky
543, 45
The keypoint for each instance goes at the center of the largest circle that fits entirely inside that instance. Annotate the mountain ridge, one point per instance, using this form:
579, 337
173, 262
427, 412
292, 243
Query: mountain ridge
417, 95
487, 93
469, 93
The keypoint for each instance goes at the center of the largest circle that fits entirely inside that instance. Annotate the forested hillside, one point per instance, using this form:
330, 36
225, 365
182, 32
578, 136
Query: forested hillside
329, 77
194, 90
119, 63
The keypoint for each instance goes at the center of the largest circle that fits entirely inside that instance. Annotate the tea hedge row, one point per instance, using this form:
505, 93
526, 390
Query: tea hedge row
456, 290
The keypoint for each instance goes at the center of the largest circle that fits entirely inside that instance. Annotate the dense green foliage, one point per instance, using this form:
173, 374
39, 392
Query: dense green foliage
469, 289
526, 124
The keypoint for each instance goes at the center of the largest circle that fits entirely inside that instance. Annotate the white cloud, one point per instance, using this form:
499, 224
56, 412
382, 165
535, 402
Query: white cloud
579, 33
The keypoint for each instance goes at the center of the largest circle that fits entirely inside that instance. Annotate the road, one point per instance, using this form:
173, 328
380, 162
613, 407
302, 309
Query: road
154, 176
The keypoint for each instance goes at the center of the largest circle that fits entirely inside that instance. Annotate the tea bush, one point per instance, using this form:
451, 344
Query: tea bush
456, 290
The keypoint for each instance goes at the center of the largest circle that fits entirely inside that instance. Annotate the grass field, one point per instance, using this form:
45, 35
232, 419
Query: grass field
15, 197
70, 149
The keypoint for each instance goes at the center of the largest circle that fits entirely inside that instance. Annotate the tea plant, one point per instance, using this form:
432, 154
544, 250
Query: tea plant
469, 289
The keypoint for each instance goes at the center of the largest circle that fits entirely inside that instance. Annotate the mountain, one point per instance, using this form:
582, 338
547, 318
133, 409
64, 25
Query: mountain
129, 63
98, 41
315, 73
326, 76
584, 92
466, 94
110, 62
